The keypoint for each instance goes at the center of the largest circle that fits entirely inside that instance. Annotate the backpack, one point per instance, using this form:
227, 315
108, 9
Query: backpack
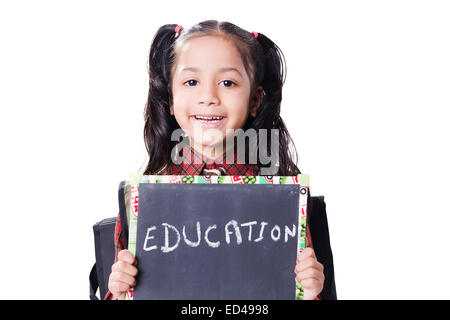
105, 251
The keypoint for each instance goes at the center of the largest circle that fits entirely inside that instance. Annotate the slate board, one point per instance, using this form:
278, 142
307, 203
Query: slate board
250, 270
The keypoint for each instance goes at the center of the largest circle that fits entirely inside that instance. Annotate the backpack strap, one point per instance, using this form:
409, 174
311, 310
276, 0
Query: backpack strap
123, 212
93, 283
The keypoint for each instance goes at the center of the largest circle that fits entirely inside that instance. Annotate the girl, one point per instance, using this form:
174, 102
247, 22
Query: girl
208, 81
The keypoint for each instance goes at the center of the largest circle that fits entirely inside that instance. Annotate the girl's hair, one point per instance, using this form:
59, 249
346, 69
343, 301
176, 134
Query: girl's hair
265, 65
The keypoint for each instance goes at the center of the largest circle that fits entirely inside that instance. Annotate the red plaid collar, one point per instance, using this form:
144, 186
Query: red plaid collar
194, 163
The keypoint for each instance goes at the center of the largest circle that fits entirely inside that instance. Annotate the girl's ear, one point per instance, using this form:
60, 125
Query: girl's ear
256, 101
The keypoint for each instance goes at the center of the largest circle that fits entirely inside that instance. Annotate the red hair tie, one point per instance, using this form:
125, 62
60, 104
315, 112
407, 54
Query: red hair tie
178, 28
255, 34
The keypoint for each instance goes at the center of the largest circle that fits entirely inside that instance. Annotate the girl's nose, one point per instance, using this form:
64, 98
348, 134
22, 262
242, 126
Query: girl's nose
208, 96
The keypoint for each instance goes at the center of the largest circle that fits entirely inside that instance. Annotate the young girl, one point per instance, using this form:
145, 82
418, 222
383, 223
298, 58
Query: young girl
213, 78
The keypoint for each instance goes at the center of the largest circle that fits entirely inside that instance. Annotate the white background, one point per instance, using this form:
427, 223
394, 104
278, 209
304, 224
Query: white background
366, 101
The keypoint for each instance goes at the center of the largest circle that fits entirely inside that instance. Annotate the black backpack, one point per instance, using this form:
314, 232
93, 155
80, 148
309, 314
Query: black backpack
105, 251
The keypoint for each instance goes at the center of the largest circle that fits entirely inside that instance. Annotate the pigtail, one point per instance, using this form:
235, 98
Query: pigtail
159, 124
272, 78
274, 70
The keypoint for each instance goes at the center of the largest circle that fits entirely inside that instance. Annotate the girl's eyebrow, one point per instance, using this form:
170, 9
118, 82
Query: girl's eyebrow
224, 69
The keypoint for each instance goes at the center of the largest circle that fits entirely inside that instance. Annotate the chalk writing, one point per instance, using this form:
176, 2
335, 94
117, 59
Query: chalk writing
232, 231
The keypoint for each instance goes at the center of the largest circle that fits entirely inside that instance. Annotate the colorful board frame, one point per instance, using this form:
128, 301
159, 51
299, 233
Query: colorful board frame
302, 180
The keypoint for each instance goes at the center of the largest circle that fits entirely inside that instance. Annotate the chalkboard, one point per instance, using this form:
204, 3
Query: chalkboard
247, 247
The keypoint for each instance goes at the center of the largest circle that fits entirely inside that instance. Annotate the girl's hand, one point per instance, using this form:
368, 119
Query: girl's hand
309, 273
122, 277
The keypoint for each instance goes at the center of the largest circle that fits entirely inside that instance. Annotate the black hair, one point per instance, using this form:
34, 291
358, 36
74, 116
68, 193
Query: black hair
265, 65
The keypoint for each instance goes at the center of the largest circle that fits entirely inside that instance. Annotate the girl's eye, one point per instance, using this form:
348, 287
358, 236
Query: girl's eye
191, 83
228, 83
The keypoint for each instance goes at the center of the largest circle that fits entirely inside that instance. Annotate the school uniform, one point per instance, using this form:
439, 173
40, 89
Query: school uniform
193, 163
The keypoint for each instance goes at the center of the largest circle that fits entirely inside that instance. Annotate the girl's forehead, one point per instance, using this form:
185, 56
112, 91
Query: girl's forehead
208, 52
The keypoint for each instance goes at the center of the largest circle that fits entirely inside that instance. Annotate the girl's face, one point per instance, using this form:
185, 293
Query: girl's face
210, 81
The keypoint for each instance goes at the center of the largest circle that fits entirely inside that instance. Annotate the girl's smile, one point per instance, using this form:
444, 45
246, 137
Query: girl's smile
208, 121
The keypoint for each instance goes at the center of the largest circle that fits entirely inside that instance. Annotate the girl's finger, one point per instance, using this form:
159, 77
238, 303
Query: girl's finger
126, 256
122, 277
121, 266
310, 273
117, 288
305, 264
311, 283
308, 252
309, 263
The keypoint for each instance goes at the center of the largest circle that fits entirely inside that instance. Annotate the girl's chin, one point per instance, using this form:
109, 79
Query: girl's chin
207, 141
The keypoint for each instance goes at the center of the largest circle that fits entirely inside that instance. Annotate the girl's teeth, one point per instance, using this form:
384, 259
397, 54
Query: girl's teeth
208, 119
